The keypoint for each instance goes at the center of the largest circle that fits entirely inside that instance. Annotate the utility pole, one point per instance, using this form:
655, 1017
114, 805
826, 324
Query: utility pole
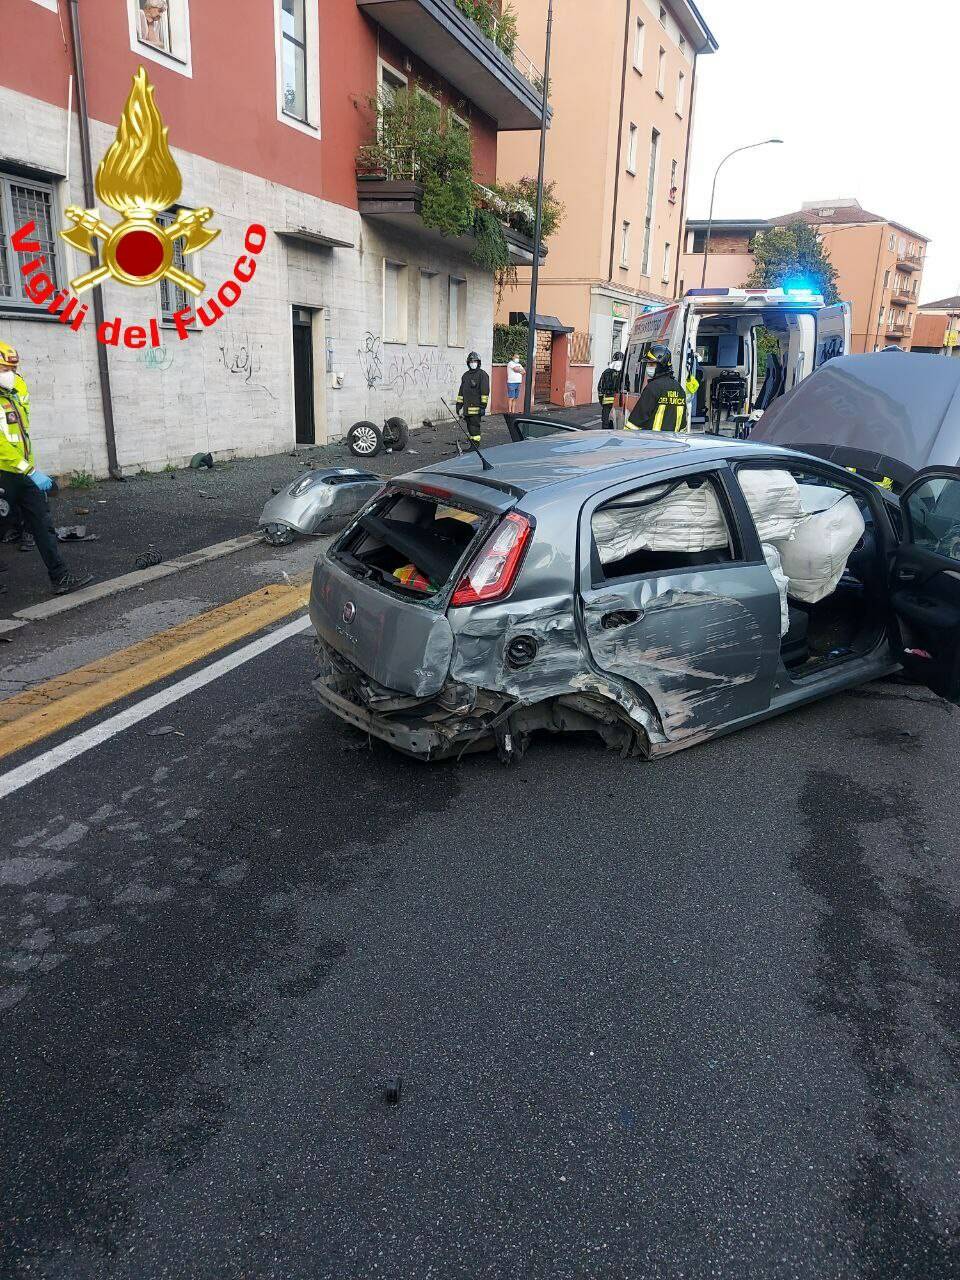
538, 223
713, 192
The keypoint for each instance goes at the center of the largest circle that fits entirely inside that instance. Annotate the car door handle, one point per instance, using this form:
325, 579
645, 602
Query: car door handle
620, 618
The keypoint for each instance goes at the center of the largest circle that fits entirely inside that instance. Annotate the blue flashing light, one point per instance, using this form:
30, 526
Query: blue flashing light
800, 287
707, 293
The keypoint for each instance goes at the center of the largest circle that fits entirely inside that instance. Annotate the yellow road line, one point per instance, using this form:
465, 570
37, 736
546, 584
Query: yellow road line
34, 714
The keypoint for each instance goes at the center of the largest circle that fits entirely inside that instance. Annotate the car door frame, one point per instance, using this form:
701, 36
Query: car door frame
685, 719
936, 606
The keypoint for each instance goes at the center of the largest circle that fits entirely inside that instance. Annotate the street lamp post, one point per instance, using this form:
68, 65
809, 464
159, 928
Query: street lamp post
538, 223
713, 192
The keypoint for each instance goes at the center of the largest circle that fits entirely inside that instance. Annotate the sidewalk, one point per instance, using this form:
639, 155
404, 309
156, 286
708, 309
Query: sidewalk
177, 512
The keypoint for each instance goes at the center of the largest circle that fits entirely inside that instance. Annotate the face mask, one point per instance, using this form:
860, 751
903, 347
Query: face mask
618, 365
474, 365
7, 377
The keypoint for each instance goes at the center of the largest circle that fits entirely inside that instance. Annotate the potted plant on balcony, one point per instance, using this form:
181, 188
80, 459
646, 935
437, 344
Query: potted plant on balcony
372, 163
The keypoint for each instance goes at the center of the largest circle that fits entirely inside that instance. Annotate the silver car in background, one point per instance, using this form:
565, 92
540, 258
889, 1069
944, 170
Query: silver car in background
474, 602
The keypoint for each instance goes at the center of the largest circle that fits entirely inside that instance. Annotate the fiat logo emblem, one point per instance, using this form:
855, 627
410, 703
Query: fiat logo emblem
349, 611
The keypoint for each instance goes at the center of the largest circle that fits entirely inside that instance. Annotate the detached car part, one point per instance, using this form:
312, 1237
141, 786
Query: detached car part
316, 503
366, 439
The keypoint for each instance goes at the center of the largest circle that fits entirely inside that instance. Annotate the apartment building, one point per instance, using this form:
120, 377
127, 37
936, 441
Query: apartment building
936, 328
879, 263
623, 91
357, 310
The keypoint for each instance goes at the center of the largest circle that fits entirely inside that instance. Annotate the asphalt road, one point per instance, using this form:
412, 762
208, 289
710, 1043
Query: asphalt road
699, 1018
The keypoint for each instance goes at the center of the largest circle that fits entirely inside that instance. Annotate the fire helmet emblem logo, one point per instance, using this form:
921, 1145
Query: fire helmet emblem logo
139, 178
349, 611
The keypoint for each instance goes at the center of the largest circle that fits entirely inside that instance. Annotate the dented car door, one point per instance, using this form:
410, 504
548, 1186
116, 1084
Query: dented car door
698, 632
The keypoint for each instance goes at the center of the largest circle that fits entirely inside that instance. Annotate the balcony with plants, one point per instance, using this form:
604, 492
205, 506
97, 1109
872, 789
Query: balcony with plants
418, 172
473, 44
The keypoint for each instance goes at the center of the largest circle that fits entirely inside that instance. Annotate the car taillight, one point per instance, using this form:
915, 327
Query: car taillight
493, 572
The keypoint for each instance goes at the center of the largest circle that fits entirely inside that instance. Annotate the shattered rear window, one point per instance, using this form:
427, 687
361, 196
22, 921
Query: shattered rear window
411, 542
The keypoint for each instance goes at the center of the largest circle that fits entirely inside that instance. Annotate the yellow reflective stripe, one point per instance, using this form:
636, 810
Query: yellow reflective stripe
484, 399
679, 425
608, 399
630, 426
658, 417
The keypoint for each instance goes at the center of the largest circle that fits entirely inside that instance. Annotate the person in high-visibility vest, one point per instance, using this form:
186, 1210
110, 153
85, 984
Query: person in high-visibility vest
662, 405
473, 396
22, 484
608, 386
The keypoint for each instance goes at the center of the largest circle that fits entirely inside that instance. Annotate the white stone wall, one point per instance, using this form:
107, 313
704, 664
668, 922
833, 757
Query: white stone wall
229, 388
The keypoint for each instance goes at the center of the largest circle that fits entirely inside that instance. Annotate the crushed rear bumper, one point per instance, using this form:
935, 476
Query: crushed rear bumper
413, 739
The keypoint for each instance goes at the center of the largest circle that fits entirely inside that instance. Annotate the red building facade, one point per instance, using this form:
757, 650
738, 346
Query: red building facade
358, 310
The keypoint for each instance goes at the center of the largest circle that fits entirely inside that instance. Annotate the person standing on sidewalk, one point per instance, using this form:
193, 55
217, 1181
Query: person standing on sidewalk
608, 386
22, 486
515, 372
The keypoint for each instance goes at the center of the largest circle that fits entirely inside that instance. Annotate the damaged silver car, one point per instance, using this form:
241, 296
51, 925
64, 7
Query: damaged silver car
658, 590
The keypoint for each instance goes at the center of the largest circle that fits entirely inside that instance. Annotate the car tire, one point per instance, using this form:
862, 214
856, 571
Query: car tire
396, 433
365, 439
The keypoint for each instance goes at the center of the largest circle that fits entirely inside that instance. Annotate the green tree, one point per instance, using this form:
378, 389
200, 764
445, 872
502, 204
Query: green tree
793, 253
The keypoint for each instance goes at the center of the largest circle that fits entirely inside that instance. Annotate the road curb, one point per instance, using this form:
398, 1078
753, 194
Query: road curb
126, 581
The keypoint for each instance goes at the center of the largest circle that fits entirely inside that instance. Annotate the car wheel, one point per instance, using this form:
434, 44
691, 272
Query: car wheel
365, 439
396, 433
278, 535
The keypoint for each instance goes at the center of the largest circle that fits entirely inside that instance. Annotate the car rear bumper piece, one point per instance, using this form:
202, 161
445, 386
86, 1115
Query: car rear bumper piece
416, 740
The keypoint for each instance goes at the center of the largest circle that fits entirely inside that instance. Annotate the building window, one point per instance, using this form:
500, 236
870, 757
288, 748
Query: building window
172, 297
294, 34
886, 278
651, 196
625, 245
683, 45
902, 246
21, 202
661, 71
456, 312
663, 15
432, 105
160, 30
672, 193
699, 242
391, 83
665, 273
428, 332
394, 301
892, 241
297, 36
458, 122
632, 149
638, 37
681, 86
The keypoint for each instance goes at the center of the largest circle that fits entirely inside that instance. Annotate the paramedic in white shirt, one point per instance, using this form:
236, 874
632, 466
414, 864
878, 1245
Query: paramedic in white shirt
515, 372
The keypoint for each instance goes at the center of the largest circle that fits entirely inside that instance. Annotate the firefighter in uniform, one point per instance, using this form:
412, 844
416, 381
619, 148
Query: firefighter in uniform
662, 405
608, 386
473, 396
22, 485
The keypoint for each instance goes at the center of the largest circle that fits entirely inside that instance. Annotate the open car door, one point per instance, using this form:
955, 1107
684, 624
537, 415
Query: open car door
925, 584
522, 428
833, 333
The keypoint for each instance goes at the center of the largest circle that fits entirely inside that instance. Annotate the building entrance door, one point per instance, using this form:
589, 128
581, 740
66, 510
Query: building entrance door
303, 407
542, 367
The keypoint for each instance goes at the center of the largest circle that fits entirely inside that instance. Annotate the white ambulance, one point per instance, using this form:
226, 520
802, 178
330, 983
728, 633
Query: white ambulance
736, 350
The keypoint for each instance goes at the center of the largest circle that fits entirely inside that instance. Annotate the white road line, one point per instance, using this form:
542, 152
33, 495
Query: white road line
90, 738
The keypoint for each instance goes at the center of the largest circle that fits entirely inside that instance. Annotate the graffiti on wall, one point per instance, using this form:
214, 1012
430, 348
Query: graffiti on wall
156, 359
243, 359
405, 373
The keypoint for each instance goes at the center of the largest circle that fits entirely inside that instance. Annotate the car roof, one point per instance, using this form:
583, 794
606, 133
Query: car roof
573, 457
